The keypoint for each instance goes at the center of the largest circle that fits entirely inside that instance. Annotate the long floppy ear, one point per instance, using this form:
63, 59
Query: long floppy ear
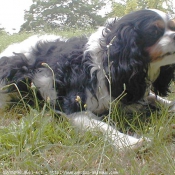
128, 62
162, 83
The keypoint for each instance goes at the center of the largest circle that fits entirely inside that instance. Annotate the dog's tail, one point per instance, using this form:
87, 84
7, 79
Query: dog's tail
13, 70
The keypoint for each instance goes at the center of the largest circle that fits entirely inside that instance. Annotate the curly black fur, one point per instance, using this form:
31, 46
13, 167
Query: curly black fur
162, 83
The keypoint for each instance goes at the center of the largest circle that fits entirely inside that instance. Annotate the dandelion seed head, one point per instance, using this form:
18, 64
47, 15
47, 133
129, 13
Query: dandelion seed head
78, 99
48, 100
32, 86
44, 64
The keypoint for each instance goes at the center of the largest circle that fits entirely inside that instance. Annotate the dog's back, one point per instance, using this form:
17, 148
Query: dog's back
37, 58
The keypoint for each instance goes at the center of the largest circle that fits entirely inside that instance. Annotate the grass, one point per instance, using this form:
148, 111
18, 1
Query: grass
37, 141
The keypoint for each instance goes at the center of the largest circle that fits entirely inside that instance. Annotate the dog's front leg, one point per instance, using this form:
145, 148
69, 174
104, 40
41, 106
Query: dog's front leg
88, 121
157, 101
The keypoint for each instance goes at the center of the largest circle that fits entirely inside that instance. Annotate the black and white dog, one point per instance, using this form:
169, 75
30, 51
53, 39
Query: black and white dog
133, 55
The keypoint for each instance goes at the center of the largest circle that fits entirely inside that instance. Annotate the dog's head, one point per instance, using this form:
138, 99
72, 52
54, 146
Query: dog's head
134, 42
150, 31
161, 33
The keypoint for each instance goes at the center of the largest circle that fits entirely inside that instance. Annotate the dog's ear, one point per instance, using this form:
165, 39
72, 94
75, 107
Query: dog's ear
162, 83
128, 62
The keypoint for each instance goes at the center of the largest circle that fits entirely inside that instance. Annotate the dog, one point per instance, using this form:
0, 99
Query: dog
128, 59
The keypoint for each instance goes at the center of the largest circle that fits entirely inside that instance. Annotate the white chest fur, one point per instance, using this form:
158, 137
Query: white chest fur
153, 71
101, 103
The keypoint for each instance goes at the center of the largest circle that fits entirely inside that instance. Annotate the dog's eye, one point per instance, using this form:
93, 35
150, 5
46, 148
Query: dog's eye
157, 31
151, 35
153, 32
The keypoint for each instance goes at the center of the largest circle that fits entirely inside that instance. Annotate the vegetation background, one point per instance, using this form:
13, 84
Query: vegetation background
35, 140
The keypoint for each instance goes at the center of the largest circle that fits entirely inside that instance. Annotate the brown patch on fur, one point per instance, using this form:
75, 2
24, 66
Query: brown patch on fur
160, 24
155, 53
171, 25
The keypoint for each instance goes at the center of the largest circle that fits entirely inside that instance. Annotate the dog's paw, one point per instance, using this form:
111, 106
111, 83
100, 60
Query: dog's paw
143, 143
132, 143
